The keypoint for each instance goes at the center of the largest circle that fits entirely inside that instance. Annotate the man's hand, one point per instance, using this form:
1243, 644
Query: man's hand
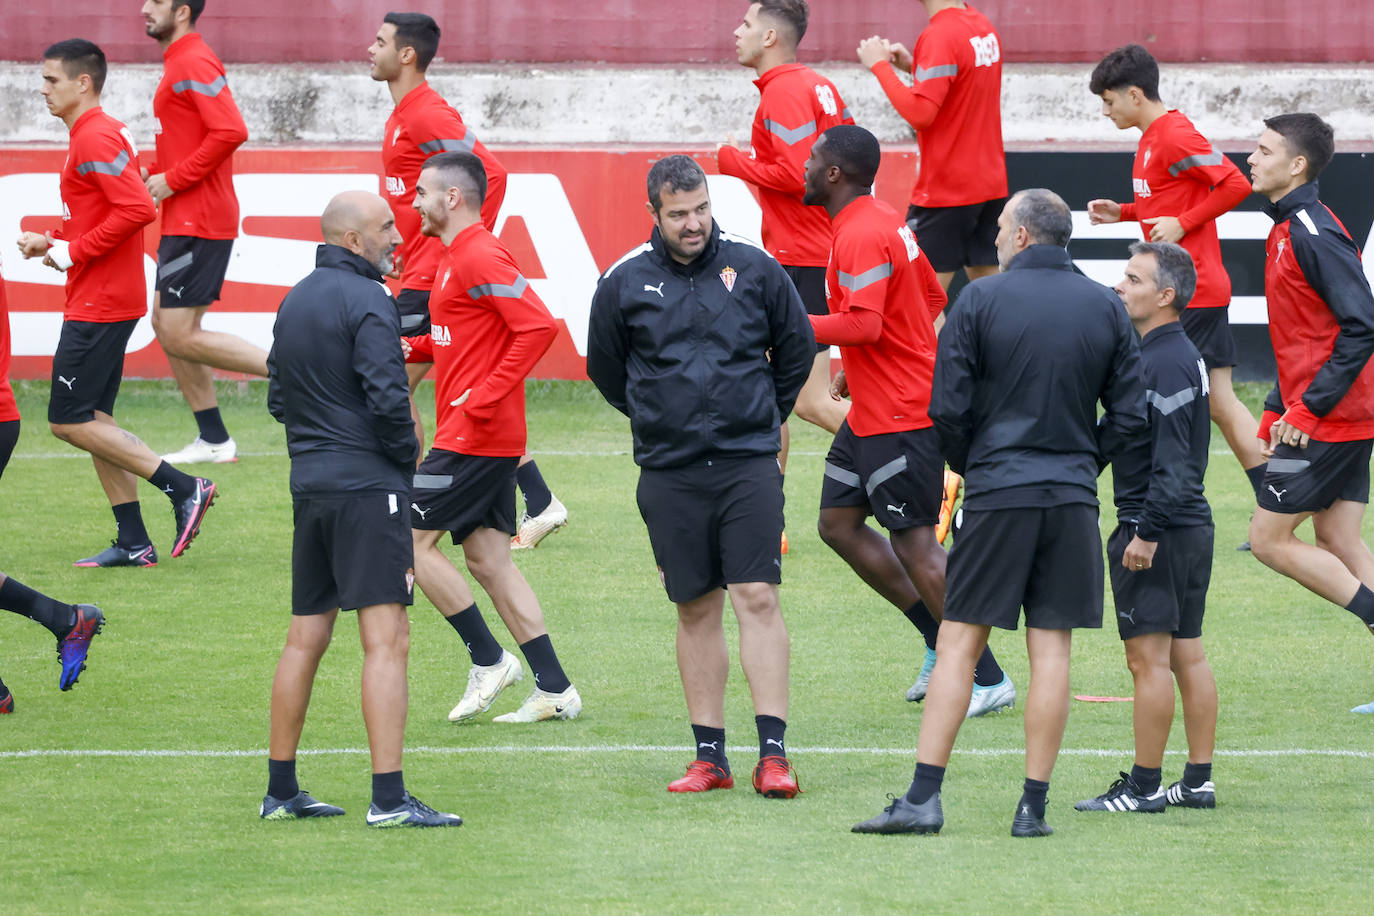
33, 244
899, 55
1283, 432
405, 348
458, 401
873, 50
839, 386
158, 187
729, 141
1165, 229
1103, 211
1139, 554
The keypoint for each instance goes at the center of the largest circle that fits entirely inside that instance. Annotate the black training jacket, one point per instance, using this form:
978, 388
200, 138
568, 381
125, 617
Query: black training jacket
683, 350
1157, 478
1024, 358
336, 378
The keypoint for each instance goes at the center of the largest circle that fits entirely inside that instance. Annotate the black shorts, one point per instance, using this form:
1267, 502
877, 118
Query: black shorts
810, 284
714, 523
1170, 596
351, 550
87, 368
9, 438
898, 476
955, 237
1209, 330
413, 304
190, 270
461, 493
1048, 561
1311, 479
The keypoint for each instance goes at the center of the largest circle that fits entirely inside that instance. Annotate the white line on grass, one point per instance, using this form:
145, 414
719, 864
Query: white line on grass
658, 748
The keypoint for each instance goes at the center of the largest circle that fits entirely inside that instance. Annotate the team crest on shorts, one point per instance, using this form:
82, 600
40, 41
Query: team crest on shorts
727, 276
410, 580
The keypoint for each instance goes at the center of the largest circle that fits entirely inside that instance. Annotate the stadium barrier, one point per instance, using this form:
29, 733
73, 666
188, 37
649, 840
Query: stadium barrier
570, 213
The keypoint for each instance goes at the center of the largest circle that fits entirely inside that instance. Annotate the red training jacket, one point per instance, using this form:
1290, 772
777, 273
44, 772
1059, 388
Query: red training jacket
1178, 172
9, 410
796, 105
955, 105
883, 298
422, 125
198, 129
1321, 322
105, 207
487, 330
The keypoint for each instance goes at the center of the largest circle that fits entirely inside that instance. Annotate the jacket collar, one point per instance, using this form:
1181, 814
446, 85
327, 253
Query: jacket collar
1042, 256
1301, 197
341, 258
1161, 332
708, 254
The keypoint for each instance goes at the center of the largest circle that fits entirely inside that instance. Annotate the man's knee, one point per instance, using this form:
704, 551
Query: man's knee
755, 600
837, 526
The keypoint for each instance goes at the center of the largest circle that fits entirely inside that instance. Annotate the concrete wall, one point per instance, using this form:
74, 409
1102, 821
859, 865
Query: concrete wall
561, 105
636, 32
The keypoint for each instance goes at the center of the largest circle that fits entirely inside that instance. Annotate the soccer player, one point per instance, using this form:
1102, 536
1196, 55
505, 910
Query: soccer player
487, 330
1319, 419
337, 380
1030, 537
1182, 183
700, 338
1160, 555
74, 625
100, 249
198, 129
796, 105
884, 462
955, 107
421, 125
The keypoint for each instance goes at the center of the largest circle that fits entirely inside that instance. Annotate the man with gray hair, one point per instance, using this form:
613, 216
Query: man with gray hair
1160, 555
337, 379
1036, 334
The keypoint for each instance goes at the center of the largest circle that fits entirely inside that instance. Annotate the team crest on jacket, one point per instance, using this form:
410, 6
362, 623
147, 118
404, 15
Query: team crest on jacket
727, 276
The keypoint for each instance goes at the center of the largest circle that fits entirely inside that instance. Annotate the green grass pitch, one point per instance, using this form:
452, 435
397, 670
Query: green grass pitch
139, 789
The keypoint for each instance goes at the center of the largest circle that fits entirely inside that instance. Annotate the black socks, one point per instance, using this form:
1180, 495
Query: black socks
548, 673
771, 730
281, 779
388, 790
19, 598
129, 530
710, 745
537, 495
927, 782
1034, 793
211, 426
472, 629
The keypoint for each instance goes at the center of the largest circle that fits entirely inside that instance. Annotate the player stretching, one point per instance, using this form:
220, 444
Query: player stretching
100, 249
421, 125
884, 461
1182, 183
796, 105
487, 330
1319, 419
198, 129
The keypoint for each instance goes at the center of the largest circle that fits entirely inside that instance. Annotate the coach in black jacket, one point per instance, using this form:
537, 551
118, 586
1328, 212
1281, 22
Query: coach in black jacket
702, 340
336, 378
1024, 358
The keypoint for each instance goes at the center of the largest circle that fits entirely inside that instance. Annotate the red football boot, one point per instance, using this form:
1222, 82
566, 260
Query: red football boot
775, 778
702, 776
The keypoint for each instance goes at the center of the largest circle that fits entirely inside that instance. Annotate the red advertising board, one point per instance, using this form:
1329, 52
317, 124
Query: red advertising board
568, 215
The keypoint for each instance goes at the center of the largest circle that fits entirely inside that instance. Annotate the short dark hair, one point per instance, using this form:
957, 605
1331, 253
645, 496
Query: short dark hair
197, 7
1306, 135
1173, 270
455, 166
417, 31
1125, 67
855, 151
679, 173
80, 56
790, 14
1047, 218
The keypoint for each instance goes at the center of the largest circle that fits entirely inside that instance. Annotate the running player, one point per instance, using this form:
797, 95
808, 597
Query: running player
421, 125
487, 330
198, 129
1182, 183
100, 249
